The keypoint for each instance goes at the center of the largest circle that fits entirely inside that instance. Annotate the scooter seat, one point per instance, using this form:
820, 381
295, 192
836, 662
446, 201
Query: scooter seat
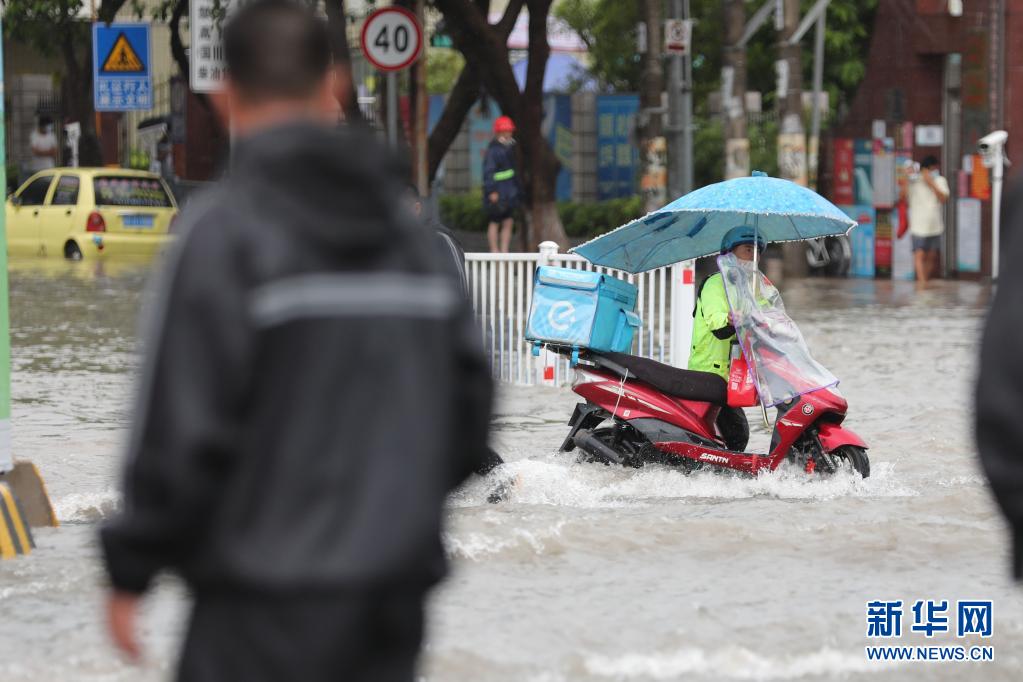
686, 384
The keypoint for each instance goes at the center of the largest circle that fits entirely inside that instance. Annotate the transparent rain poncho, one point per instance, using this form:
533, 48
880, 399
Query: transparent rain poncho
779, 359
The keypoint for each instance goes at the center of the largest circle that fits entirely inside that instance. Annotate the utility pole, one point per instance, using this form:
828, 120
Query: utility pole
733, 92
422, 173
653, 146
791, 135
680, 113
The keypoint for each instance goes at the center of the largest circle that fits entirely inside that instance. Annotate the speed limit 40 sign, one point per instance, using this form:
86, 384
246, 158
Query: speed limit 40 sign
391, 38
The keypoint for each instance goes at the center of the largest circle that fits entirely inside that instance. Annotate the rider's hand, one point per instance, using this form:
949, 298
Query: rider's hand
494, 196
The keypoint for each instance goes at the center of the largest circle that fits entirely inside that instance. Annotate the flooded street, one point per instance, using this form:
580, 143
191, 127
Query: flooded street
587, 572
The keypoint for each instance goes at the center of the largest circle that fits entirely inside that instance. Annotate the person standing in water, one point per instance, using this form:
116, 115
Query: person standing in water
501, 194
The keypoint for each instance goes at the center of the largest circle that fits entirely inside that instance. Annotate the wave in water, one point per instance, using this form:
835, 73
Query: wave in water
560, 481
732, 663
87, 507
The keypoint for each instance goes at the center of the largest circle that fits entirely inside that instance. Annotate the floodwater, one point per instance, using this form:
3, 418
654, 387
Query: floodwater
587, 572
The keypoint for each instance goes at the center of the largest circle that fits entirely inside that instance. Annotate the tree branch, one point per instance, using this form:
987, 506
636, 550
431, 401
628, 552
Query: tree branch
466, 90
456, 108
109, 9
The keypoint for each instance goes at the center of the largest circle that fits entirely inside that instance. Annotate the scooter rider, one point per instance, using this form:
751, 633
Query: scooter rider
713, 333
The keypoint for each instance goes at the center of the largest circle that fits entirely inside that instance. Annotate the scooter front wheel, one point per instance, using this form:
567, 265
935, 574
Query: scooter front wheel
847, 457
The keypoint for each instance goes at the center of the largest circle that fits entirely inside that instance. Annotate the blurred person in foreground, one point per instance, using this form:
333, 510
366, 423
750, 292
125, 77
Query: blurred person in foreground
999, 394
313, 388
925, 193
501, 195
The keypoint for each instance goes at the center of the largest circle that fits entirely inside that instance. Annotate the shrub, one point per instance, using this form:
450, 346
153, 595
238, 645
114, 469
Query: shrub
465, 212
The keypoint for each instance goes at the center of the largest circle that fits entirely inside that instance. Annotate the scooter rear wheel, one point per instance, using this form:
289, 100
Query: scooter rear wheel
615, 445
850, 457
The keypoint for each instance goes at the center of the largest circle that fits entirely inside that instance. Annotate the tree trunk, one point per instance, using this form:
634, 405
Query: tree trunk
791, 136
181, 58
543, 165
456, 108
77, 91
733, 93
652, 145
485, 46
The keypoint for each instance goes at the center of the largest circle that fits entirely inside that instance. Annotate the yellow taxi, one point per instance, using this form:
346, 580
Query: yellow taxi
90, 212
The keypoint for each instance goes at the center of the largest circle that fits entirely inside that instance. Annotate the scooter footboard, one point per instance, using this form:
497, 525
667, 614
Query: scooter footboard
834, 436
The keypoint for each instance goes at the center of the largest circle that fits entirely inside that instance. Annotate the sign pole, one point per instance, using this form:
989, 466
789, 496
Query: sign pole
392, 110
392, 40
422, 116
23, 499
6, 460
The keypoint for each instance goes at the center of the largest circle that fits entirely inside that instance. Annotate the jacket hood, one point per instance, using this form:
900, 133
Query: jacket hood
338, 185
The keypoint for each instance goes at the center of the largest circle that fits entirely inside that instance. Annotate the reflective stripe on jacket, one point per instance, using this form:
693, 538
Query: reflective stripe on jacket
499, 174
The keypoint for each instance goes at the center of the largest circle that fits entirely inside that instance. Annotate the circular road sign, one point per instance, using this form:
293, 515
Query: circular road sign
391, 38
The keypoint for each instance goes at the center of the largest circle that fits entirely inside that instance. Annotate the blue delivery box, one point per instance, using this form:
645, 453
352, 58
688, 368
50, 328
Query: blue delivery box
579, 309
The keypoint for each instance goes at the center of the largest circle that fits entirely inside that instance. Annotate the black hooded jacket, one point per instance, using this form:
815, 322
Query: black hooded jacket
999, 397
314, 384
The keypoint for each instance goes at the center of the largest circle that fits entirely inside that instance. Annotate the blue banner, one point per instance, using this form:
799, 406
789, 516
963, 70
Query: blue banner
861, 240
121, 77
863, 171
617, 154
557, 128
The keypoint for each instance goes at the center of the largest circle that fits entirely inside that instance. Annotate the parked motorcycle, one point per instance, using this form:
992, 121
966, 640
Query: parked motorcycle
829, 256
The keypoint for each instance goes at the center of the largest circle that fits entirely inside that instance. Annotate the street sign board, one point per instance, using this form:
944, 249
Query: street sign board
391, 38
677, 35
122, 80
206, 53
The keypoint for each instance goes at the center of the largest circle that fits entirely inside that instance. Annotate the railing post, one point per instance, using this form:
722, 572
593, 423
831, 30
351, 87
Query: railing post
545, 372
683, 300
548, 252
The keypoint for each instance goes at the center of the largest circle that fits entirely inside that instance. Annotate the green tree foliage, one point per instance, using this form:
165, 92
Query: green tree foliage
608, 27
53, 28
443, 67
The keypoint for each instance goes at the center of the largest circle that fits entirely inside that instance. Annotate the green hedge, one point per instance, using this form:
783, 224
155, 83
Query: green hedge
465, 212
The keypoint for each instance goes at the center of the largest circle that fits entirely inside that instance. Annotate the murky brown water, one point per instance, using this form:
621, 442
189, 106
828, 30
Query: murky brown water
588, 573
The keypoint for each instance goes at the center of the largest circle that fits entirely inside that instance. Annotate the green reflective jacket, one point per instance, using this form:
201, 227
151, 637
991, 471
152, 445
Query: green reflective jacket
708, 352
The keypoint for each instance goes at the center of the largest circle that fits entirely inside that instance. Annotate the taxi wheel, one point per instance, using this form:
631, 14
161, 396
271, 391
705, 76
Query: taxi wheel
72, 252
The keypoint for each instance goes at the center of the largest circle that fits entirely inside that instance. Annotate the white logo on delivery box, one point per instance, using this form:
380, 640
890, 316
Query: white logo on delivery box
561, 316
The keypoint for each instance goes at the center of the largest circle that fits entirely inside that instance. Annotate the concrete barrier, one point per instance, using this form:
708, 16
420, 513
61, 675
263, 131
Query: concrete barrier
29, 490
15, 534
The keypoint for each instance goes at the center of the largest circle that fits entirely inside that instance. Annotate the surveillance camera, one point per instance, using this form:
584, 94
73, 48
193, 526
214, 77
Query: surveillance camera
992, 140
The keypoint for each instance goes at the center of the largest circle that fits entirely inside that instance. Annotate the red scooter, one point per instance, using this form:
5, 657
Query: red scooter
638, 411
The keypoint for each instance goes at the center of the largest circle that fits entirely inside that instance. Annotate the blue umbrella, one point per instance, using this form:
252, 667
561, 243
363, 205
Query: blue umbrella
692, 226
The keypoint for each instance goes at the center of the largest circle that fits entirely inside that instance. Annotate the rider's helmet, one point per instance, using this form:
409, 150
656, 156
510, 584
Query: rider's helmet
743, 234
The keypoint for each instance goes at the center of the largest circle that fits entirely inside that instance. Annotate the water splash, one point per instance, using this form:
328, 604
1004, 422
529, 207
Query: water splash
558, 480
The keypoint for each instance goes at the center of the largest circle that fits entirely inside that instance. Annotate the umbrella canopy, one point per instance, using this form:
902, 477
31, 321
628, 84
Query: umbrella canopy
692, 226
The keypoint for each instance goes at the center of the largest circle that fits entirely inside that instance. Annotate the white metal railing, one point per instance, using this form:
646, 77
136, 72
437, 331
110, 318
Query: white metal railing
502, 289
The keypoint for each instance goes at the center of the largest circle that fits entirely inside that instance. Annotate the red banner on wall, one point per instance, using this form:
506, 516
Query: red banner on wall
842, 186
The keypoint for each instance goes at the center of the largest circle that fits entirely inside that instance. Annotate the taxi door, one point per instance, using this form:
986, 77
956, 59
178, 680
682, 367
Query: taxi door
23, 215
58, 216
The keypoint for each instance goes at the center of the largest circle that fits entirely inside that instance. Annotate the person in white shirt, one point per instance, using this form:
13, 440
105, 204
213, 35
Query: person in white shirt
44, 146
925, 193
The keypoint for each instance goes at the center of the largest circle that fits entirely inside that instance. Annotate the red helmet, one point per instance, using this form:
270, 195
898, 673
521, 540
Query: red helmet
503, 124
